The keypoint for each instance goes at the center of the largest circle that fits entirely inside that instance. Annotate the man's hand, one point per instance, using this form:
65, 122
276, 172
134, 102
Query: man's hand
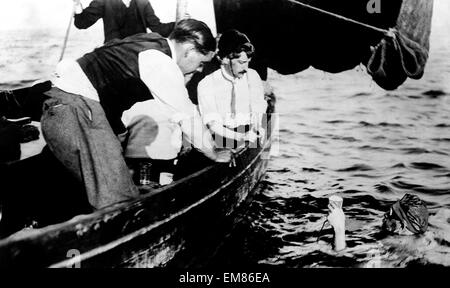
223, 155
251, 136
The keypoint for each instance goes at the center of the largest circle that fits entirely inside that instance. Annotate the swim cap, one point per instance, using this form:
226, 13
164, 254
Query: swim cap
413, 213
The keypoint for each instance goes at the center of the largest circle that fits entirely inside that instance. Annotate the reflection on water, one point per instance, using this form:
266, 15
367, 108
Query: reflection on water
338, 134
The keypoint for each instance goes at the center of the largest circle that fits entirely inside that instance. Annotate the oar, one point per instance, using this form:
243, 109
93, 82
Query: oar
67, 34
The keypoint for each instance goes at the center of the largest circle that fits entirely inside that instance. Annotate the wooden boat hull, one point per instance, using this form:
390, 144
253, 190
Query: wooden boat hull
162, 228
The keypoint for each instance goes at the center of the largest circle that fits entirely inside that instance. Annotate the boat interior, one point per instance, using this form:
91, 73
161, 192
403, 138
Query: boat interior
38, 191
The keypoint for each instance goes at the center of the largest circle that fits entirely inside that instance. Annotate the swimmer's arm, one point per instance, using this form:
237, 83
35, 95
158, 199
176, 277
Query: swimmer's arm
339, 239
336, 218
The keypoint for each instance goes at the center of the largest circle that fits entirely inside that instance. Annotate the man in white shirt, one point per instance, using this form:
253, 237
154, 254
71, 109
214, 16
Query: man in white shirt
82, 118
231, 99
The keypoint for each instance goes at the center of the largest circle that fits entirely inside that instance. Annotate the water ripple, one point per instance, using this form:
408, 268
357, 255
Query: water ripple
426, 166
356, 167
434, 93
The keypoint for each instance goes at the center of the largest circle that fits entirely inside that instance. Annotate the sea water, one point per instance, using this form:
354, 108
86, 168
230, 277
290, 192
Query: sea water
339, 133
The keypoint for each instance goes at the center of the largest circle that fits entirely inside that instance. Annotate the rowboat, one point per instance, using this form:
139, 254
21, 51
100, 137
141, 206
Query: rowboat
156, 229
159, 228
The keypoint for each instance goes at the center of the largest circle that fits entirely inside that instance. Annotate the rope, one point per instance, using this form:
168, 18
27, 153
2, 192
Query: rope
384, 31
181, 10
67, 34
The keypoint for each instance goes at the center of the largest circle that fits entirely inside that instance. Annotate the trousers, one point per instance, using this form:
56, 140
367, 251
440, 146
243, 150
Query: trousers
79, 135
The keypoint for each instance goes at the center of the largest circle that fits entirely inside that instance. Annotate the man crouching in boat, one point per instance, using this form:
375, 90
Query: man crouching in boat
231, 99
82, 118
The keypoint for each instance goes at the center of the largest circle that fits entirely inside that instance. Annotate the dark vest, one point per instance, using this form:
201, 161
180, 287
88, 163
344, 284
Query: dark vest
114, 72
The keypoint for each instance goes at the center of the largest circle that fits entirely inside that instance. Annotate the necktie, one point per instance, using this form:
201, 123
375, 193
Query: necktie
233, 100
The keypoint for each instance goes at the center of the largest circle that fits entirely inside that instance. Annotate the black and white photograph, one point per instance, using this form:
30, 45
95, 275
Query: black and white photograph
237, 136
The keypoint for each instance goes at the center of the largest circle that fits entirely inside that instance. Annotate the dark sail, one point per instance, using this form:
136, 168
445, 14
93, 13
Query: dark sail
290, 38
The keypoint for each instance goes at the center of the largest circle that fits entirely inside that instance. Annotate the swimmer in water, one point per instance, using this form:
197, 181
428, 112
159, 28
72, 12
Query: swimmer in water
408, 216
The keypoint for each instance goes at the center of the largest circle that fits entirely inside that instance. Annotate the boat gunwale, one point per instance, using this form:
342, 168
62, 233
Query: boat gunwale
100, 215
143, 230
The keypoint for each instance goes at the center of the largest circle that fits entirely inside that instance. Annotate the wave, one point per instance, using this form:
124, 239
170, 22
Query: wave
382, 188
374, 148
335, 121
434, 93
443, 175
345, 138
441, 139
311, 135
366, 124
415, 150
399, 165
310, 169
386, 124
381, 124
440, 152
426, 166
282, 170
356, 167
420, 188
361, 94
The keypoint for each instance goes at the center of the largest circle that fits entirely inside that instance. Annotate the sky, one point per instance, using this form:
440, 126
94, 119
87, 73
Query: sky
55, 13
26, 14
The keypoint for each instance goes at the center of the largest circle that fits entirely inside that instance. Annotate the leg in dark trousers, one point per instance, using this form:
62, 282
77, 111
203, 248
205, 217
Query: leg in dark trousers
77, 132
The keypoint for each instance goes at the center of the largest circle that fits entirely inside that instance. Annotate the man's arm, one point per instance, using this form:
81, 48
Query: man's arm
166, 83
152, 21
208, 110
85, 18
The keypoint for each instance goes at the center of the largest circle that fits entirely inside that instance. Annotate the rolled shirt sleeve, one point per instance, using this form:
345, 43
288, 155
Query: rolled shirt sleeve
206, 102
166, 83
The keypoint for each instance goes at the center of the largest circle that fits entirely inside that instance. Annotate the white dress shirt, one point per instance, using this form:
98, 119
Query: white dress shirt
69, 77
214, 98
171, 106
